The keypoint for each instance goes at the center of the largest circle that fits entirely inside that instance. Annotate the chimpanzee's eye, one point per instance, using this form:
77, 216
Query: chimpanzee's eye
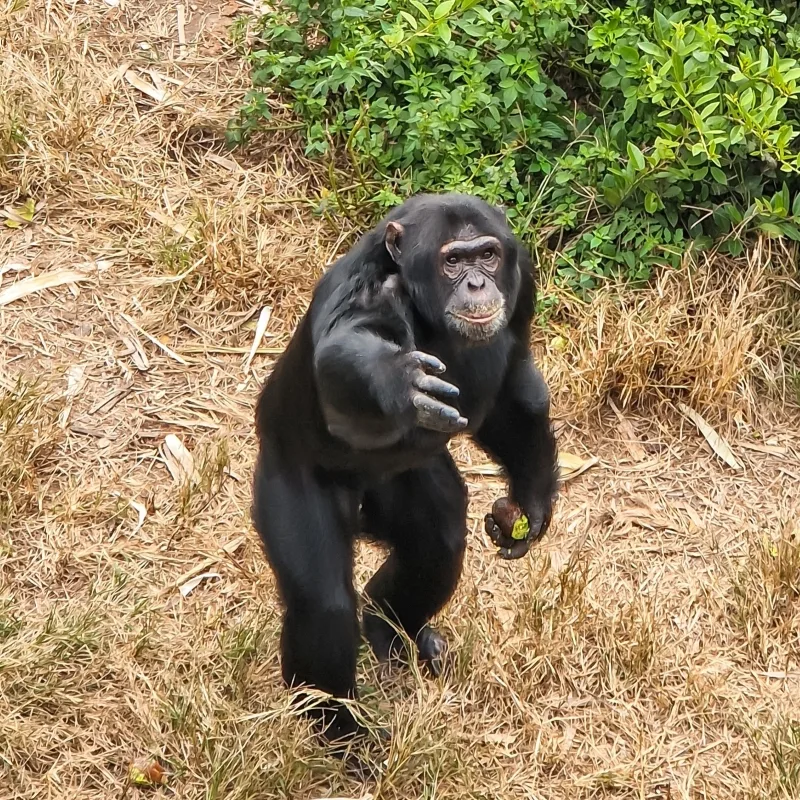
487, 255
452, 260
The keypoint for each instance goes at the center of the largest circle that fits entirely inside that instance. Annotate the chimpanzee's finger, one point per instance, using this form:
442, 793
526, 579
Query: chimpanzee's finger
539, 520
433, 385
492, 529
427, 360
516, 550
436, 416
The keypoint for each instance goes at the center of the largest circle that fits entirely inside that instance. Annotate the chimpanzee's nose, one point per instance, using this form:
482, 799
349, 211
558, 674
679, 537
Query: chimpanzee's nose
476, 282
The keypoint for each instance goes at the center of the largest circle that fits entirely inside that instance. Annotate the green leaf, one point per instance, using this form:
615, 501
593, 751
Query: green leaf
630, 54
421, 7
747, 99
636, 156
784, 195
651, 203
672, 215
394, 38
719, 176
610, 79
791, 230
651, 49
17, 217
677, 66
771, 228
443, 32
705, 84
661, 25
412, 21
443, 9
734, 247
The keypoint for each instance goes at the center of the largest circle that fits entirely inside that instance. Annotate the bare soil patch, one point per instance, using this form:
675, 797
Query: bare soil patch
649, 649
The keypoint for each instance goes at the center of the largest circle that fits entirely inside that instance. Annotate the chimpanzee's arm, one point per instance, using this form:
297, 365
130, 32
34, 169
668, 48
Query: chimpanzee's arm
518, 433
373, 386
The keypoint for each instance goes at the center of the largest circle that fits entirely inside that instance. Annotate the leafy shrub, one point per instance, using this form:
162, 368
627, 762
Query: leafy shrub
631, 129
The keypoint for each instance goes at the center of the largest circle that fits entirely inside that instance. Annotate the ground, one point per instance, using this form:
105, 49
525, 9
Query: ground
648, 648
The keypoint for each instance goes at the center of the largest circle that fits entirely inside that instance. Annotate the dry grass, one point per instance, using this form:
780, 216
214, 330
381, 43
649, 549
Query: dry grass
647, 650
713, 335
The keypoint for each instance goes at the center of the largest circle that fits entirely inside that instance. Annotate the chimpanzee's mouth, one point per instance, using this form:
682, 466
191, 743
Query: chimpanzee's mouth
481, 316
478, 323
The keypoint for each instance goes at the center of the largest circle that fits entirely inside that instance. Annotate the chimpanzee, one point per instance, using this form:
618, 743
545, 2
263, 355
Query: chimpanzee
354, 421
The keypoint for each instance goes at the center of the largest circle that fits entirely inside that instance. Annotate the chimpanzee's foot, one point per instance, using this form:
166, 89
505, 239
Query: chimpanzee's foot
388, 645
346, 738
432, 647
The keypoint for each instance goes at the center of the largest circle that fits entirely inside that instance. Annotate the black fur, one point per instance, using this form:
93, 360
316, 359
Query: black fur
345, 448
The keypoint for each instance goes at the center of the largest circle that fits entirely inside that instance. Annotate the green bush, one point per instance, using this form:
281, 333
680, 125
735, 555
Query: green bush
628, 129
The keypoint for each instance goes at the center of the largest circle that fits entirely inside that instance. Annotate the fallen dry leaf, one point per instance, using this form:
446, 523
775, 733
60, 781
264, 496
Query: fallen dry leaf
571, 465
500, 738
227, 163
135, 80
152, 774
22, 215
630, 438
569, 736
157, 342
261, 327
179, 460
75, 381
367, 796
718, 444
181, 14
137, 354
642, 518
189, 586
142, 512
559, 559
178, 227
47, 280
229, 548
505, 616
483, 469
13, 266
768, 449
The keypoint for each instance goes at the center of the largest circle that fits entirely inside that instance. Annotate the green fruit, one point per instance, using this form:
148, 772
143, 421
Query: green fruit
522, 528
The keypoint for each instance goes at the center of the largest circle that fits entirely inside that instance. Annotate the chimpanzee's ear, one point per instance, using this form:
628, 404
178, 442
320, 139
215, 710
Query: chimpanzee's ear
392, 238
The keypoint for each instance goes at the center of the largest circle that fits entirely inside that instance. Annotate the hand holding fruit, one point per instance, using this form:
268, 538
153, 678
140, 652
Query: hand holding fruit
510, 528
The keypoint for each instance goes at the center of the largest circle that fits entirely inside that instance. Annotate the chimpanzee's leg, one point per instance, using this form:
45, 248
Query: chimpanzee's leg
307, 528
421, 514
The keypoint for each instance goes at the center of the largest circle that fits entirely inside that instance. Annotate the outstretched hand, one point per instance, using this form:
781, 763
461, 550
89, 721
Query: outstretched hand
433, 413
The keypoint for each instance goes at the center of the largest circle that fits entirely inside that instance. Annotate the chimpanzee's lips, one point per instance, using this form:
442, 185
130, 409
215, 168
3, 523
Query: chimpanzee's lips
481, 318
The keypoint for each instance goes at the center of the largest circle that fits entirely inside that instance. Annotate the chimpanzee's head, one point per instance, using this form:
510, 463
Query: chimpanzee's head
458, 260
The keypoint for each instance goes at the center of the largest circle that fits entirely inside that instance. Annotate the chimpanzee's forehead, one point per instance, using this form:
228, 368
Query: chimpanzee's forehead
439, 219
464, 227
466, 231
463, 220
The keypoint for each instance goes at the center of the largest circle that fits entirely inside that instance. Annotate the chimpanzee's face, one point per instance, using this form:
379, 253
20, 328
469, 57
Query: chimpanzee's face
457, 267
469, 265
